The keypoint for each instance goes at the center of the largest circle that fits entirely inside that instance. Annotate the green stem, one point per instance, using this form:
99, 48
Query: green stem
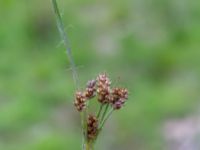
100, 109
105, 111
105, 119
84, 125
103, 122
64, 38
63, 35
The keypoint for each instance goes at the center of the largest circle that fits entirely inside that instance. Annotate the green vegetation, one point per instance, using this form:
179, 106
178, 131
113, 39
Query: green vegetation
152, 48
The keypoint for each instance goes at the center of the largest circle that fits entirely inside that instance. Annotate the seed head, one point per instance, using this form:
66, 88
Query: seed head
119, 97
90, 89
92, 127
80, 101
103, 88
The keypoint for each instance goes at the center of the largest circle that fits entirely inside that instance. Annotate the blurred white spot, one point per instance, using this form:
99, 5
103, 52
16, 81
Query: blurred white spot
182, 134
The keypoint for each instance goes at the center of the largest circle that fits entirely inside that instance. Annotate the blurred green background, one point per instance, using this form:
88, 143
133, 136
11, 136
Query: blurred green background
150, 47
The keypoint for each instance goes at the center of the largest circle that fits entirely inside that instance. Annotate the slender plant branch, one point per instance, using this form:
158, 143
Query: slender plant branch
64, 37
103, 122
100, 109
105, 111
106, 118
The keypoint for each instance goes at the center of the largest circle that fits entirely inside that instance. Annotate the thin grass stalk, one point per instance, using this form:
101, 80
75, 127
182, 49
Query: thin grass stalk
105, 111
106, 118
100, 109
65, 39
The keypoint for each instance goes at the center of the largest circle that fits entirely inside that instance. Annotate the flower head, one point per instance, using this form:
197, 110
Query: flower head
92, 127
119, 97
112, 98
103, 88
80, 101
90, 89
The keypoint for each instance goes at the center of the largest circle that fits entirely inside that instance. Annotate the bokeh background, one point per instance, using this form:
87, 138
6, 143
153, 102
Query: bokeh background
150, 47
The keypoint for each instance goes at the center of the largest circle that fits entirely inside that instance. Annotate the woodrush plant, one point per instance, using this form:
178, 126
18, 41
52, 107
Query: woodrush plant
109, 98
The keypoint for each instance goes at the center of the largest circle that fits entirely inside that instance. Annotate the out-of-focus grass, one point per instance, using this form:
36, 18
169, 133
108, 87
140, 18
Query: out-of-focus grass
152, 48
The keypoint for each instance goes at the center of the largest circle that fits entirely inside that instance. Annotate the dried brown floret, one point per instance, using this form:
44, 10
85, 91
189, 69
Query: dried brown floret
92, 127
80, 101
119, 97
103, 88
91, 89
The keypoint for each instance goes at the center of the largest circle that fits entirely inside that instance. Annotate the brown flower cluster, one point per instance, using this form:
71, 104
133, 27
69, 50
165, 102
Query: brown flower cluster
80, 101
112, 98
82, 97
119, 97
92, 127
101, 87
90, 89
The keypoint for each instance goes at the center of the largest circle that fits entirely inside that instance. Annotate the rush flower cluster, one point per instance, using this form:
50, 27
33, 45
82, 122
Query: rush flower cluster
109, 98
80, 101
92, 127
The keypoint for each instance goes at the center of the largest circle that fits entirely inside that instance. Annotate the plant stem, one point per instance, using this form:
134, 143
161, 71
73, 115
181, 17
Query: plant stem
102, 123
100, 109
106, 118
84, 126
105, 111
89, 145
64, 37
